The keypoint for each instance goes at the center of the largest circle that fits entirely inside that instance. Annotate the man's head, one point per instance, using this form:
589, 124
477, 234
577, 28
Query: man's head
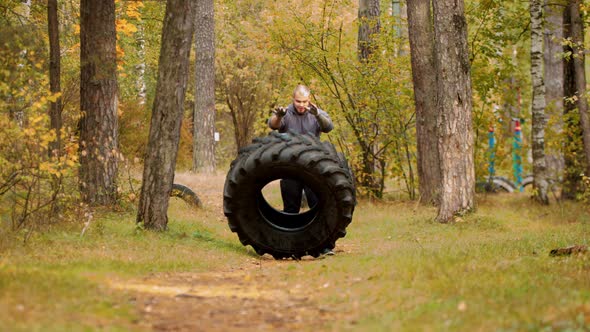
301, 96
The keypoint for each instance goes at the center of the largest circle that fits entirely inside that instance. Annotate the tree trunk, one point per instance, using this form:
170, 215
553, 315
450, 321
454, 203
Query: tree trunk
538, 104
243, 112
422, 53
573, 150
454, 105
400, 30
370, 24
577, 30
204, 112
554, 68
27, 8
99, 133
54, 75
140, 84
167, 114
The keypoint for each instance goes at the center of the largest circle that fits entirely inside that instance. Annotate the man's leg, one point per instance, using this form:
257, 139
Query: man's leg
312, 199
291, 191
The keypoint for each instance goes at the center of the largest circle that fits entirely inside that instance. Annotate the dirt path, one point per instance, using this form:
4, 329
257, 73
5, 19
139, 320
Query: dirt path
247, 298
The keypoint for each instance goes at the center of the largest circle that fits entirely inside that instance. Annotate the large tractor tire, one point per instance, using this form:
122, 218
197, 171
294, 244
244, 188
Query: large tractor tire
495, 184
527, 181
186, 194
289, 156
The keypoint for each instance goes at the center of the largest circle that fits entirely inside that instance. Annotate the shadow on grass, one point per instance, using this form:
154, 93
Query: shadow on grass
211, 238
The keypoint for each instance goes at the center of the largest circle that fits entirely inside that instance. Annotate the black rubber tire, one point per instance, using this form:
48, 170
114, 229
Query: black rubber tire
283, 235
497, 184
503, 184
186, 194
527, 180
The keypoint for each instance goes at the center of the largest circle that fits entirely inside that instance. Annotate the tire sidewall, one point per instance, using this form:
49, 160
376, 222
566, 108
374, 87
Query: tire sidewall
268, 236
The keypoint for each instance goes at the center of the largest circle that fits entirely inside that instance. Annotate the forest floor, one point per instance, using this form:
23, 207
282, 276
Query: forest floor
234, 300
396, 270
237, 299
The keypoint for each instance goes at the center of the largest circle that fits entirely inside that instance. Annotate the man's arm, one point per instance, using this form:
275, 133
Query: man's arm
277, 115
322, 117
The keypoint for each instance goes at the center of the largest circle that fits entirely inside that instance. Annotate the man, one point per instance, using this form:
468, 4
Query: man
301, 117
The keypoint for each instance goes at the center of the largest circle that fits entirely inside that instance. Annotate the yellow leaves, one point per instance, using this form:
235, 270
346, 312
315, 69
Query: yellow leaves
48, 137
53, 98
120, 52
40, 104
36, 120
75, 48
30, 132
133, 10
49, 168
126, 27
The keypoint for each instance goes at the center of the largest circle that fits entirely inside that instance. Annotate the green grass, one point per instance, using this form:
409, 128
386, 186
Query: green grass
397, 269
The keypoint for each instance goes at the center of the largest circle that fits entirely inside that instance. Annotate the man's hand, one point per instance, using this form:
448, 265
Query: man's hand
313, 109
280, 111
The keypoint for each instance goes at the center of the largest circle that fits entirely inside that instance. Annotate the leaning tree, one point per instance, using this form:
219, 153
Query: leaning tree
167, 113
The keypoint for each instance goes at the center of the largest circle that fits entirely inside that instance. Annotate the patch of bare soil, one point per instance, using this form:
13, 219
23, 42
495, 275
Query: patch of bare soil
247, 298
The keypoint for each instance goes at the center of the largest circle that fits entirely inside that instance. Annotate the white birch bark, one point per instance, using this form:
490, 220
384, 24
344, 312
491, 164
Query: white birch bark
538, 105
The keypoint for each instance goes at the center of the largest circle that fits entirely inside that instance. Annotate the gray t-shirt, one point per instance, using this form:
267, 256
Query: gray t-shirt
303, 123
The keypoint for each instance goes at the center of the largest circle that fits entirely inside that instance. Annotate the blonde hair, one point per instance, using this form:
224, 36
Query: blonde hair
301, 90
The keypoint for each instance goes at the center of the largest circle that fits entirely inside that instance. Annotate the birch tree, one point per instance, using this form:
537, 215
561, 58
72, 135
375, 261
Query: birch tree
140, 83
538, 104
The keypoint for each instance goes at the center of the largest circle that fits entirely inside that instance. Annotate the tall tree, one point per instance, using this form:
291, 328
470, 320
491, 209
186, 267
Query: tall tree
538, 105
577, 34
140, 83
54, 74
244, 97
99, 133
370, 24
167, 113
422, 54
204, 112
454, 105
573, 150
554, 68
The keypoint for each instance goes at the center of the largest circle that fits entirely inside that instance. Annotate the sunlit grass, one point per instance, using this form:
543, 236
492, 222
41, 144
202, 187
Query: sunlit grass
396, 269
491, 271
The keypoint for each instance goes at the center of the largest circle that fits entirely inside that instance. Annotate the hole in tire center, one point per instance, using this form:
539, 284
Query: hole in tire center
274, 197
